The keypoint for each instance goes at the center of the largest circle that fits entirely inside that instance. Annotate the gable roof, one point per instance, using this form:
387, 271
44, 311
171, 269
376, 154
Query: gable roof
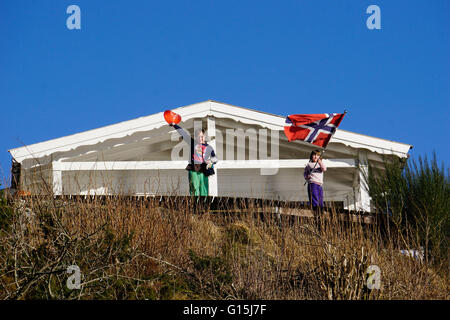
197, 110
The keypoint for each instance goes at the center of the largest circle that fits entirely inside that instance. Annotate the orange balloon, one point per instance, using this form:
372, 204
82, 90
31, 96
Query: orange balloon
172, 117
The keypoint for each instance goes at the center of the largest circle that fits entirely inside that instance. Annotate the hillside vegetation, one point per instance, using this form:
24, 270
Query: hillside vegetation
145, 249
140, 250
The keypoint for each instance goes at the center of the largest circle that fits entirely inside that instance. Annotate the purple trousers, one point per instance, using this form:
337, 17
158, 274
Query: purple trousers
315, 195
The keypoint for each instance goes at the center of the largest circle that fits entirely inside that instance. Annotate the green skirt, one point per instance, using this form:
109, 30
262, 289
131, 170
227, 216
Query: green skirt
198, 183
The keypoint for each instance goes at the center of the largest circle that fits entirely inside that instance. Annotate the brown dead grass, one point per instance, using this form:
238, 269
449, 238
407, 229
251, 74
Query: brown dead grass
142, 250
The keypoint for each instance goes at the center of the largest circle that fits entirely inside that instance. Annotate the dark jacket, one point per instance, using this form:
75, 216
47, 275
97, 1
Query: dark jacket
207, 153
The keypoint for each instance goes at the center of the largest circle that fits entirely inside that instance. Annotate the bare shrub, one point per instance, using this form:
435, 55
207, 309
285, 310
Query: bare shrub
141, 248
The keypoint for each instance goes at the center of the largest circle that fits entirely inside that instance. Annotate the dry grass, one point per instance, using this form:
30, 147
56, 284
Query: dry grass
129, 249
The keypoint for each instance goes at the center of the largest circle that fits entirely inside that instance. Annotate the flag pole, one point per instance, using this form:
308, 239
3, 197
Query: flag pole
323, 151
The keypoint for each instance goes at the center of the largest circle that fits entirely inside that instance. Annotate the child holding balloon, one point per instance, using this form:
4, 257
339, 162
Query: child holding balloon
202, 157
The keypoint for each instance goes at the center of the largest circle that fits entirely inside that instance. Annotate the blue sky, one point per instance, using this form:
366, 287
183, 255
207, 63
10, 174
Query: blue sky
135, 58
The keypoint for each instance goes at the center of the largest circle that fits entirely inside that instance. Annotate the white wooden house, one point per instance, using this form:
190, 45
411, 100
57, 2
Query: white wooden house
145, 156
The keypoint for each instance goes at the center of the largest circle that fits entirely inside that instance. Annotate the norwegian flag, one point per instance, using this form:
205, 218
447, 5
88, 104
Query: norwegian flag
312, 128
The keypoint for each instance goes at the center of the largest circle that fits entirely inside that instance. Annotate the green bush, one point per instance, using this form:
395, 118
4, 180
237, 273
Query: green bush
6, 215
215, 273
416, 197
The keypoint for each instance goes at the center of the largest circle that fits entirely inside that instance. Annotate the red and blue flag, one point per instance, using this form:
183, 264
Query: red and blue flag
316, 129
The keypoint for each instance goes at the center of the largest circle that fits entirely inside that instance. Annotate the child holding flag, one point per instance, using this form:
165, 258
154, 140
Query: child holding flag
313, 173
316, 129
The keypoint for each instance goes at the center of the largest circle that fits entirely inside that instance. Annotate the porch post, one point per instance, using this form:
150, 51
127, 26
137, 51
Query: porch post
213, 187
57, 178
363, 190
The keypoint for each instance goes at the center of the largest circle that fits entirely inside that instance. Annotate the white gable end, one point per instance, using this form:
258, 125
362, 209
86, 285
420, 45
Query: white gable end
198, 110
137, 157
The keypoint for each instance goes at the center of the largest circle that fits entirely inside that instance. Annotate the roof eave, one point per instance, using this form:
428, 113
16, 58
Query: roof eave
197, 110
